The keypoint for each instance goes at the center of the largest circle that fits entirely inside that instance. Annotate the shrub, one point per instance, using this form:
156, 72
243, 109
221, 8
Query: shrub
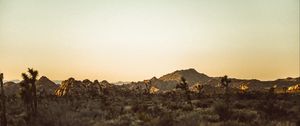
272, 110
222, 110
244, 115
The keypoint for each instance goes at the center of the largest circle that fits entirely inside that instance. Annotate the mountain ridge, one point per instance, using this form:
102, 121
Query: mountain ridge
163, 83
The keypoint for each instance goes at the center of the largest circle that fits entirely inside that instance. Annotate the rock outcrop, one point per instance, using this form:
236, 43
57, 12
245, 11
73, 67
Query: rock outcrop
72, 87
153, 90
294, 88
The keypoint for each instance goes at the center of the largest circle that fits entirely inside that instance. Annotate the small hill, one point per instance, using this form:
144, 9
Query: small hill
169, 81
43, 85
191, 75
46, 86
11, 88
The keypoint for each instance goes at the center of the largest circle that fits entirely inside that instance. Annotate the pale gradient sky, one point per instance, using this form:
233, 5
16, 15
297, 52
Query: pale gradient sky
133, 40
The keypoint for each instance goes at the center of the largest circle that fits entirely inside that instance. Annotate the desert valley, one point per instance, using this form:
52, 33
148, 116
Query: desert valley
149, 63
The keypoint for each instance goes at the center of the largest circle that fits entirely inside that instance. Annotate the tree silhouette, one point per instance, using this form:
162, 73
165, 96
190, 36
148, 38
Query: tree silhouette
3, 106
184, 86
25, 93
225, 83
28, 92
33, 79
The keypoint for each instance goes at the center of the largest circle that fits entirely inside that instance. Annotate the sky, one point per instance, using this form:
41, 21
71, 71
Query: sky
130, 40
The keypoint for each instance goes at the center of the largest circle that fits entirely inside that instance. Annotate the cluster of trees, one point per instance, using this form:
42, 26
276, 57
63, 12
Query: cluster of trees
28, 92
28, 95
183, 85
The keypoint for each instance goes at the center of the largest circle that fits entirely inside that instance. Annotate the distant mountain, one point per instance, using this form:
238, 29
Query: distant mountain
121, 82
43, 85
164, 83
11, 88
46, 86
258, 85
57, 81
191, 75
169, 81
15, 81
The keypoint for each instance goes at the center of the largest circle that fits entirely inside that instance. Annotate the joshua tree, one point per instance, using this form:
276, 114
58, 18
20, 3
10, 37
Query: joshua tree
184, 86
225, 83
25, 93
33, 79
29, 90
3, 107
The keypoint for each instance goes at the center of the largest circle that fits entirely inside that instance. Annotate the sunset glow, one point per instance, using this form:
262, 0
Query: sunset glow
136, 39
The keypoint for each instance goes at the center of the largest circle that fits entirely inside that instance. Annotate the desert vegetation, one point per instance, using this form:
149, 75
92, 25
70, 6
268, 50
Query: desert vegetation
3, 103
94, 103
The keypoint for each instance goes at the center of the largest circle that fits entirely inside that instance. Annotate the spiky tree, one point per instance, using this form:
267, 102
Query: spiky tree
25, 93
3, 106
34, 74
225, 81
184, 86
29, 90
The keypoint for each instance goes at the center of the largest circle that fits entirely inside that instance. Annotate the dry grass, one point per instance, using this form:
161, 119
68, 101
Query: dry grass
158, 110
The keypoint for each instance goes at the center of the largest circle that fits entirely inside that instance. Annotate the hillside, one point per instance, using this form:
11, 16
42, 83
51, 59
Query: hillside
46, 86
43, 85
169, 81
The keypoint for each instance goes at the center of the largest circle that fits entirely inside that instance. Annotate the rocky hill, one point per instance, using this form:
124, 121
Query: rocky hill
191, 75
81, 88
169, 81
45, 86
165, 83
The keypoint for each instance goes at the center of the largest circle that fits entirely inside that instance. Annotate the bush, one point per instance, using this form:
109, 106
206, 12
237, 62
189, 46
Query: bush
233, 123
222, 110
244, 115
272, 110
